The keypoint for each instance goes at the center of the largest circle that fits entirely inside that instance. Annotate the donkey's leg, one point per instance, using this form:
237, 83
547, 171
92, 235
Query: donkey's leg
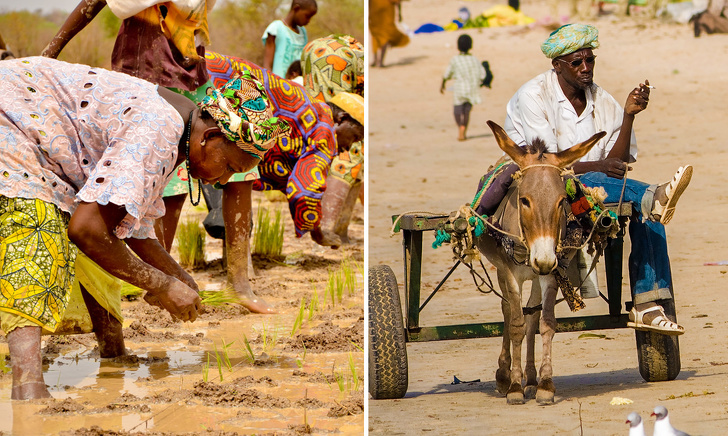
517, 332
531, 327
546, 388
503, 374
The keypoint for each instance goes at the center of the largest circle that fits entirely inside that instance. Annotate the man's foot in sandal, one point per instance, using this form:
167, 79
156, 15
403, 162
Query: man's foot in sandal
652, 317
667, 195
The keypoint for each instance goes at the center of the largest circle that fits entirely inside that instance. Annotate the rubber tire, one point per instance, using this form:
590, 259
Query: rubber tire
387, 344
658, 354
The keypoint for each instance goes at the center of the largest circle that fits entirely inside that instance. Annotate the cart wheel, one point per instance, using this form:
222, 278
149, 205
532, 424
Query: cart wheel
658, 354
387, 347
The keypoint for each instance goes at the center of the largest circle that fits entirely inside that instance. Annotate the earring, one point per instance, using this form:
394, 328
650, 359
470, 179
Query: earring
202, 143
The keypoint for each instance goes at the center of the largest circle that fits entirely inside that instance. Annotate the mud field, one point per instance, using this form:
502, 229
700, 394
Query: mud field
202, 378
416, 164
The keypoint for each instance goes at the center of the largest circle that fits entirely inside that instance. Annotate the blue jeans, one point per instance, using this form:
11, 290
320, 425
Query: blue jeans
649, 265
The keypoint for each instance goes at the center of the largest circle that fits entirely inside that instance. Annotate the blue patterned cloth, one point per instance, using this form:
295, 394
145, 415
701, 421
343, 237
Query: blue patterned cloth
569, 38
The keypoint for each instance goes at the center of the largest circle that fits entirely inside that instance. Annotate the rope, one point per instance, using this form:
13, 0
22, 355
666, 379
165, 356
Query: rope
528, 167
621, 194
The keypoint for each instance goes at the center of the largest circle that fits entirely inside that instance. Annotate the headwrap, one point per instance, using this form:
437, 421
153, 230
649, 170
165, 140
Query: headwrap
569, 38
353, 104
243, 98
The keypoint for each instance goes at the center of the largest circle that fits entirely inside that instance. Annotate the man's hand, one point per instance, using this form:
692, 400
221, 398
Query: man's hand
613, 167
637, 99
179, 300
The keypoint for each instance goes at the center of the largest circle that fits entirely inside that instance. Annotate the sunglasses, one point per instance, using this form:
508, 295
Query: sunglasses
577, 62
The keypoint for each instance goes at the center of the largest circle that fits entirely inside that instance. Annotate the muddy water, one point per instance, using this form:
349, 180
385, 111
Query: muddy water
162, 388
97, 385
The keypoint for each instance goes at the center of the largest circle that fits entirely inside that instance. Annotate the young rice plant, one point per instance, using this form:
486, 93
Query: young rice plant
268, 235
191, 242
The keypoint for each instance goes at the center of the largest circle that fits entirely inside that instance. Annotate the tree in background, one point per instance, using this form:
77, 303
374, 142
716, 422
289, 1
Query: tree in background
27, 34
236, 27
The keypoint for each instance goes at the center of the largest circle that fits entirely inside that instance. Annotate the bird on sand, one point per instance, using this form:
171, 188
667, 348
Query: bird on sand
636, 426
662, 424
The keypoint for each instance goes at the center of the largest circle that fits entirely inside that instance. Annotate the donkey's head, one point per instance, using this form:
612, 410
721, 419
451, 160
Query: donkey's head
541, 194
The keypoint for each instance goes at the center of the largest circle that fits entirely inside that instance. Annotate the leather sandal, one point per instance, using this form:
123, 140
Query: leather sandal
661, 323
673, 191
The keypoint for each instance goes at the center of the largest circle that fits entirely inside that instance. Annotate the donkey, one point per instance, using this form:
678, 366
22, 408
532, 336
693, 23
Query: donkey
536, 212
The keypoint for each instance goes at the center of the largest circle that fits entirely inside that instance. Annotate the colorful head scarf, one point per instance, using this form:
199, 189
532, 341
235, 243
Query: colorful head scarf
353, 104
243, 98
332, 65
569, 38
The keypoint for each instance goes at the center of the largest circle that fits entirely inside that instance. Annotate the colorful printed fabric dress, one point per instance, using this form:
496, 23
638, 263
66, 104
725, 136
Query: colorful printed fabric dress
71, 133
297, 165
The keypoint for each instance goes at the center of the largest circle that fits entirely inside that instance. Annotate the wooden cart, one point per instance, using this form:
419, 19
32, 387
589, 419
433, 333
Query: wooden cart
389, 330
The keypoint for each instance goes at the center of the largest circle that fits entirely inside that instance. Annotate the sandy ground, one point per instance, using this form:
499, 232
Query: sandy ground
200, 378
416, 164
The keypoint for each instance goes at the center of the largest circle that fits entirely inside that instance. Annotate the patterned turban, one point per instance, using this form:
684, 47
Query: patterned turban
243, 99
569, 38
353, 104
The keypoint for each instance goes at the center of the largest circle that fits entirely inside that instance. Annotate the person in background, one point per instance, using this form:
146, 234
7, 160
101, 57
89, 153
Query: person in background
468, 73
382, 26
333, 65
711, 20
284, 39
294, 72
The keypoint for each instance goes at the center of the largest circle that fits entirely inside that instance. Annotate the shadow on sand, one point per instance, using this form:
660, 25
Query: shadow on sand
567, 387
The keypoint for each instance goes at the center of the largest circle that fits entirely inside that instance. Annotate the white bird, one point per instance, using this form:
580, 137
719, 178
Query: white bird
636, 426
662, 424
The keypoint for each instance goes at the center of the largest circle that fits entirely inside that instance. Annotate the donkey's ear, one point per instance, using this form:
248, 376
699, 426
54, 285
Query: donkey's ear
506, 144
573, 154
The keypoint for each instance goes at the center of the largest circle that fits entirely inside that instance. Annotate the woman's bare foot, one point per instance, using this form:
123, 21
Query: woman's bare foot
251, 301
107, 328
327, 239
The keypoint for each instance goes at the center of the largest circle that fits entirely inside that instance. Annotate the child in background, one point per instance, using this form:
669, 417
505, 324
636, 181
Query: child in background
295, 73
284, 39
468, 73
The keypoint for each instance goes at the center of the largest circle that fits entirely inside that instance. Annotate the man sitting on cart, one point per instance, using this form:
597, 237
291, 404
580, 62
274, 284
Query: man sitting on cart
563, 107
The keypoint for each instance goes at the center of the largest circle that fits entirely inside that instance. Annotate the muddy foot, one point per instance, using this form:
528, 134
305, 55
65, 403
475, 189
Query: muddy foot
257, 305
327, 239
248, 299
530, 392
30, 391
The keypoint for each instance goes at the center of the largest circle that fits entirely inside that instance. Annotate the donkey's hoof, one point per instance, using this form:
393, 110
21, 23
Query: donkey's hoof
515, 398
530, 392
503, 381
545, 392
515, 394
